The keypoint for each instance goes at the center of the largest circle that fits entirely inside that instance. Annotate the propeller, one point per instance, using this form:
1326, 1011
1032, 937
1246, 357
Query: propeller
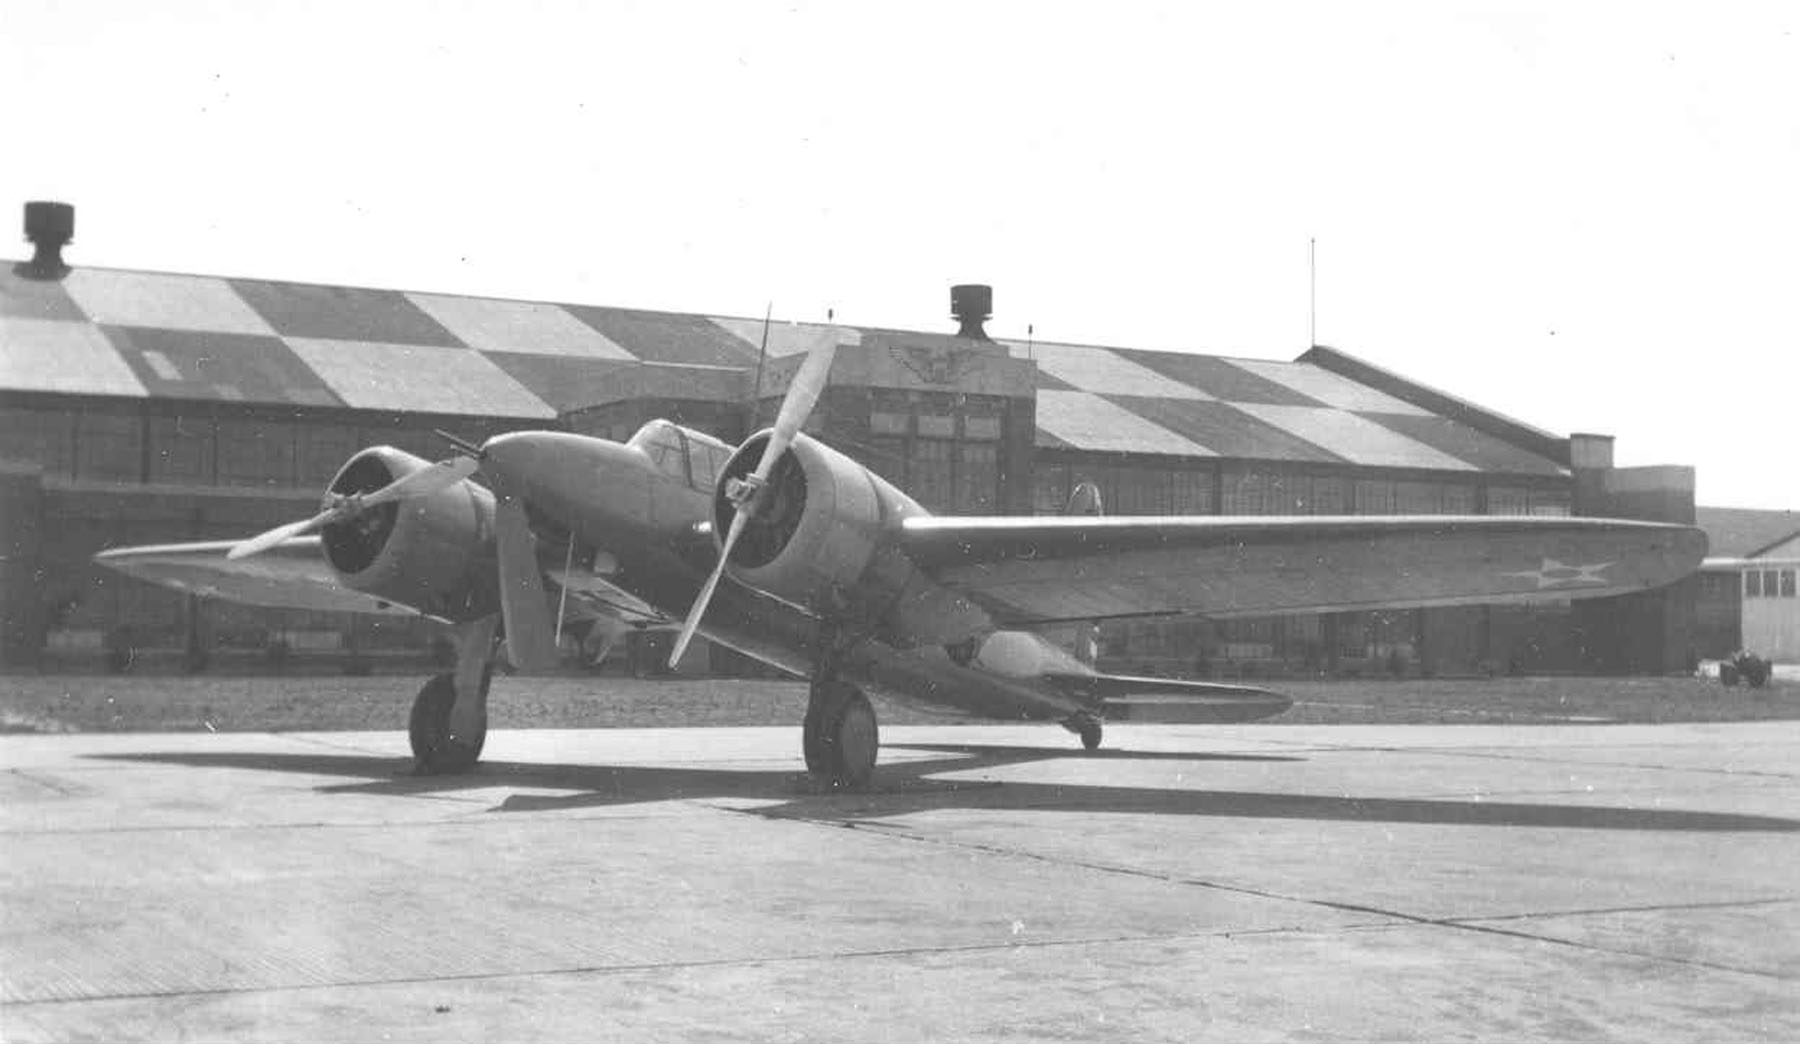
802, 396
343, 506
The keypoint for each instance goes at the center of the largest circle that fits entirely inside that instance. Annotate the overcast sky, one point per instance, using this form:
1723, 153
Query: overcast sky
1582, 215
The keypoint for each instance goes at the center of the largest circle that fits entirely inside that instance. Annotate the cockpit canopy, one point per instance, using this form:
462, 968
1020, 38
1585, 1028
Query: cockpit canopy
692, 456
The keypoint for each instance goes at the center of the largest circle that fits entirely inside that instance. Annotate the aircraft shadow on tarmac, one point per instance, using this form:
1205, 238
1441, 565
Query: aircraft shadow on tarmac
907, 786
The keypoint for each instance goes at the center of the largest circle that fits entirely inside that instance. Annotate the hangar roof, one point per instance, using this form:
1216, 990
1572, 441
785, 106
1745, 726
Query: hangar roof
110, 332
1746, 532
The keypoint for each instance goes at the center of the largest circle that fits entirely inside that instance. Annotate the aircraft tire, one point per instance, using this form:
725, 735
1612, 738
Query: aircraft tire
841, 737
435, 751
1092, 732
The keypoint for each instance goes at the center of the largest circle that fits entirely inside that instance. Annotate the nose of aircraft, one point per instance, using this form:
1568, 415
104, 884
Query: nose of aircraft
562, 474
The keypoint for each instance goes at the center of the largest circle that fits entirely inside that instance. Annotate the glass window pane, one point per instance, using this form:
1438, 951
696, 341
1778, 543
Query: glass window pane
1753, 584
1771, 583
108, 446
1508, 500
937, 425
255, 453
44, 438
1191, 493
181, 450
1459, 500
1374, 497
323, 450
981, 427
887, 422
1331, 495
1787, 583
1050, 488
931, 473
1553, 502
977, 479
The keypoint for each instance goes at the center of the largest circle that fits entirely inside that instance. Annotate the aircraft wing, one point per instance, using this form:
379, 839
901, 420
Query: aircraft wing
1035, 570
291, 575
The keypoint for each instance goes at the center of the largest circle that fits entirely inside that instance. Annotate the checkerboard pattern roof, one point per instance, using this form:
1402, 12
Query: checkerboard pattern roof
106, 332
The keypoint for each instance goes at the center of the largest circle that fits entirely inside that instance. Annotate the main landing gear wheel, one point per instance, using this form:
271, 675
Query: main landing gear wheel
436, 750
1086, 726
841, 738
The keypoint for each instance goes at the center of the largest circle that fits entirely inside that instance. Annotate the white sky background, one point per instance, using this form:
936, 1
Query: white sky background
1584, 215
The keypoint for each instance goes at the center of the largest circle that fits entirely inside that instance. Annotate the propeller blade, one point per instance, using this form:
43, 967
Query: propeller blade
797, 405
692, 623
425, 481
523, 605
261, 542
802, 395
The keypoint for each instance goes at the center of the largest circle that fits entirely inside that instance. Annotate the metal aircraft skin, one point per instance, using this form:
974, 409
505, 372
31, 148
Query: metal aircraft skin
832, 574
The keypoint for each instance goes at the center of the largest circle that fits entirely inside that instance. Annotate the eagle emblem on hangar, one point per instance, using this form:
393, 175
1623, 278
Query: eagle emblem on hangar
1554, 573
935, 365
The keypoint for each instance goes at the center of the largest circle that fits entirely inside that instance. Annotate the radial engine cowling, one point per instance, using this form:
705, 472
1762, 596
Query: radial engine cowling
421, 552
818, 526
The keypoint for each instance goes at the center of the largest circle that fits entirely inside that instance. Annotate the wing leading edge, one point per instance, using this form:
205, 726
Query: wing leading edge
292, 574
1036, 570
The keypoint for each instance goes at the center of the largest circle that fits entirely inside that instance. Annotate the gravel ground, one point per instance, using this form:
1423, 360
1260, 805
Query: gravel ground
264, 702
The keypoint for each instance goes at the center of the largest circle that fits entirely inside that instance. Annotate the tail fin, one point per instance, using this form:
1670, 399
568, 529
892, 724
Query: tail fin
1085, 500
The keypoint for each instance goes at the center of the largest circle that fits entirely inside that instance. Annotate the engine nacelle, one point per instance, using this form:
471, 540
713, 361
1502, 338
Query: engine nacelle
422, 552
818, 527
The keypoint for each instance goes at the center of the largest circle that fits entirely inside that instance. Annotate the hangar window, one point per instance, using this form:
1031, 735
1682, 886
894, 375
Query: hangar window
977, 478
1191, 493
1787, 583
1331, 495
1753, 583
1771, 583
323, 450
1553, 502
931, 473
888, 422
256, 453
1049, 488
937, 425
108, 446
1508, 500
887, 458
40, 437
181, 450
1374, 497
987, 428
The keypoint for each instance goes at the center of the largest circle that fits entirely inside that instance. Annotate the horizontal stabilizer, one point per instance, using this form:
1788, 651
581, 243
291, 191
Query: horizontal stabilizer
1174, 701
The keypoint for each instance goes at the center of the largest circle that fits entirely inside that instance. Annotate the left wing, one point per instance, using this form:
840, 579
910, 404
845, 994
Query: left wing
292, 574
1036, 570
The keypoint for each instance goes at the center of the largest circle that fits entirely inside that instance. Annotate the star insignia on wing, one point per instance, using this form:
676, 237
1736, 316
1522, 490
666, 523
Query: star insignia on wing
1556, 574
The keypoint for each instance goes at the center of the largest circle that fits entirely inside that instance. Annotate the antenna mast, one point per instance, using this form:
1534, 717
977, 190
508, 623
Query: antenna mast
762, 354
1312, 293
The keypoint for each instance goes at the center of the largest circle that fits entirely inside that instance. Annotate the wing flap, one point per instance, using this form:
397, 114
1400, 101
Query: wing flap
1037, 570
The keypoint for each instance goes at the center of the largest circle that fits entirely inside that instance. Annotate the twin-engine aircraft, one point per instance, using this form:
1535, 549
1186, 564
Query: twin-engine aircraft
788, 551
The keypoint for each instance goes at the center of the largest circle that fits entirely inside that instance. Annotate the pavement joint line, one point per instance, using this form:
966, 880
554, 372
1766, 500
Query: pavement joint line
1456, 924
1599, 911
1492, 754
46, 781
625, 968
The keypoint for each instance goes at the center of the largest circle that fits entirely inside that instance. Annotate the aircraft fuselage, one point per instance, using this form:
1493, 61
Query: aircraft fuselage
656, 522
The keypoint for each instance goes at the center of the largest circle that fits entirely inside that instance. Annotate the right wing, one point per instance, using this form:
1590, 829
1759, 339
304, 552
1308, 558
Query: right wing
1035, 570
291, 575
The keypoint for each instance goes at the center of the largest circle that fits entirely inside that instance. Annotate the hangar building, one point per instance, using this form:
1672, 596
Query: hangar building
150, 407
1747, 597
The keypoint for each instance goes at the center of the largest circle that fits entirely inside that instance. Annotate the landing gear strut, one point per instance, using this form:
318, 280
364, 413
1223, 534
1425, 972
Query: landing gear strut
449, 716
840, 737
1087, 726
